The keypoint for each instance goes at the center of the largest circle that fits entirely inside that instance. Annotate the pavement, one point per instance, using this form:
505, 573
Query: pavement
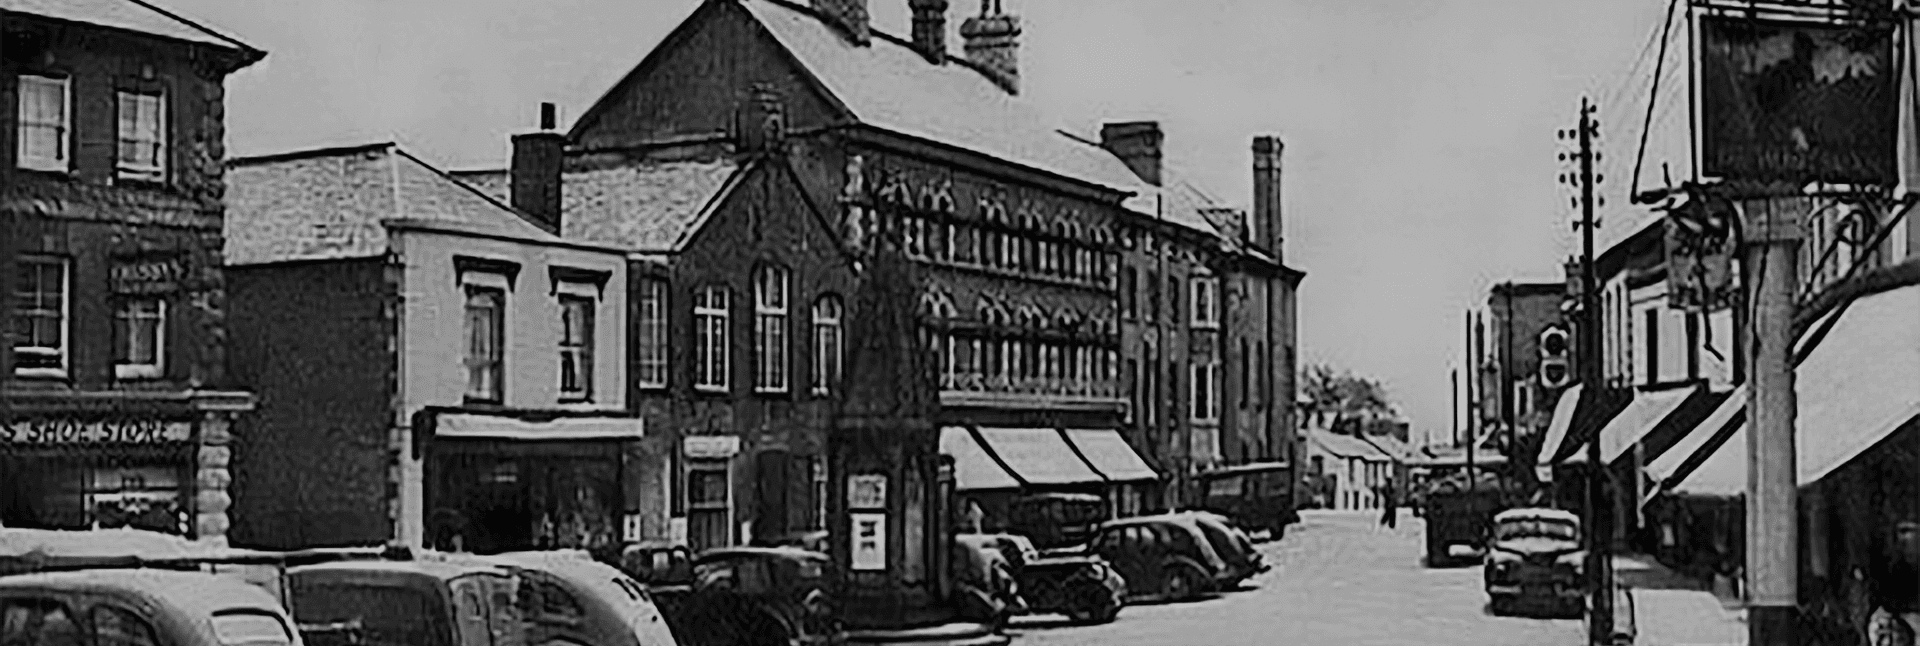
1672, 610
1338, 578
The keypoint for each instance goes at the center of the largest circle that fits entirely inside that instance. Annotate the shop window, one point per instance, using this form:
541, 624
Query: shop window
709, 498
710, 339
1205, 306
40, 317
45, 123
143, 136
576, 347
827, 344
140, 333
770, 330
116, 627
486, 332
651, 333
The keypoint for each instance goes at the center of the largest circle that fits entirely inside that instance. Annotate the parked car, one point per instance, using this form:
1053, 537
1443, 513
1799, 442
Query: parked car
1231, 542
759, 595
1458, 517
1167, 556
665, 569
986, 581
140, 606
1535, 560
567, 597
1258, 496
405, 603
1083, 587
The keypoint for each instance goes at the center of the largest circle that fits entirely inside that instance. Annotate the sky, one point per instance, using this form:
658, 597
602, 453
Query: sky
1420, 157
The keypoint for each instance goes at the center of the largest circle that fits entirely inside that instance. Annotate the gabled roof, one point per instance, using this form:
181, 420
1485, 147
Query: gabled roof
890, 86
337, 202
131, 15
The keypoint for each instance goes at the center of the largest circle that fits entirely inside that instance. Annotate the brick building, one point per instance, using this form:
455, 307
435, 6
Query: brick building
433, 367
114, 393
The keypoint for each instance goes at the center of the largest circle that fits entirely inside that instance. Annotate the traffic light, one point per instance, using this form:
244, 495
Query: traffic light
1556, 361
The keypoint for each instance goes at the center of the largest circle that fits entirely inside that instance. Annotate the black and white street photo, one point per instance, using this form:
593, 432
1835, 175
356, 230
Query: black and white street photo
959, 322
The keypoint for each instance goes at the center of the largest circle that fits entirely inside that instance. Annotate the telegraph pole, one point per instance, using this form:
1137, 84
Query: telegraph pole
1472, 403
1599, 527
1772, 239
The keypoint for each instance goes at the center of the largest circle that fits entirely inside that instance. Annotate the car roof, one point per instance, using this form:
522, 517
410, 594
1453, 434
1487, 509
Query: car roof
1158, 519
740, 552
1537, 513
199, 594
442, 569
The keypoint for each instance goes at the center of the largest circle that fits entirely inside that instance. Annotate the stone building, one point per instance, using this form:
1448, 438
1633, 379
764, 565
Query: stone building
433, 367
114, 393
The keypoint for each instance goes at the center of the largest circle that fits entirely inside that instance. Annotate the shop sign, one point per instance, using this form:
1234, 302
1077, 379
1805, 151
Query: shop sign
867, 491
71, 431
711, 446
869, 541
148, 275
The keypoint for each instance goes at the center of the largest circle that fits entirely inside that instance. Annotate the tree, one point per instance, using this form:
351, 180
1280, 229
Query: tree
1328, 395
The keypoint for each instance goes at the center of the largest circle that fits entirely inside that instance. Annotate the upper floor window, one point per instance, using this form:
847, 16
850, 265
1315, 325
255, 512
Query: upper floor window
576, 347
1206, 296
486, 341
1129, 296
651, 333
143, 140
45, 123
1206, 392
770, 330
140, 332
41, 306
1153, 296
827, 345
710, 339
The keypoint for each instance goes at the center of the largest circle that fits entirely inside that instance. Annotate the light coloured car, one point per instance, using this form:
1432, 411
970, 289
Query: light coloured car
1535, 560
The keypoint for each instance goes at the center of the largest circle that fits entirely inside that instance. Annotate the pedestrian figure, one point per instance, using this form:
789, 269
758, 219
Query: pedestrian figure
1390, 516
1896, 589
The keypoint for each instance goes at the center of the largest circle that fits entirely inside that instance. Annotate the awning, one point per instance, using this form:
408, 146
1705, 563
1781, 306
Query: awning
492, 427
1673, 463
974, 469
1110, 455
1639, 418
1557, 428
1038, 456
1860, 385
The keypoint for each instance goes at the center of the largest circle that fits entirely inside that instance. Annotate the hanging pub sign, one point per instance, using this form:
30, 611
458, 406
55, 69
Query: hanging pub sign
72, 431
1700, 247
147, 274
1797, 102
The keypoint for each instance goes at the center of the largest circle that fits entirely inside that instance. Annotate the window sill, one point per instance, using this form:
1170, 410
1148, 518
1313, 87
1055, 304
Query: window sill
771, 392
137, 372
710, 390
40, 373
140, 176
652, 386
47, 167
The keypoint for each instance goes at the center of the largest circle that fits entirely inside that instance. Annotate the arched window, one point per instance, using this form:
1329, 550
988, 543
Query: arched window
770, 329
828, 347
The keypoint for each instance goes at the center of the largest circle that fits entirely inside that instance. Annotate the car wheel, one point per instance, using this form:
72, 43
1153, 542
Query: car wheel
1093, 604
1500, 605
1183, 583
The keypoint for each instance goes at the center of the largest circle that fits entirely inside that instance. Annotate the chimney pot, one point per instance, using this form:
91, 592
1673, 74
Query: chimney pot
1266, 220
850, 16
1137, 144
930, 29
534, 176
548, 117
992, 42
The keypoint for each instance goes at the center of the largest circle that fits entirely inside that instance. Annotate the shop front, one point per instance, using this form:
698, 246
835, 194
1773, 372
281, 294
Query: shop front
500, 483
155, 465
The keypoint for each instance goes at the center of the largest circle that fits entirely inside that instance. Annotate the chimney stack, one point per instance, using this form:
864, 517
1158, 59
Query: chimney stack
534, 178
992, 42
1136, 143
1266, 196
850, 16
930, 29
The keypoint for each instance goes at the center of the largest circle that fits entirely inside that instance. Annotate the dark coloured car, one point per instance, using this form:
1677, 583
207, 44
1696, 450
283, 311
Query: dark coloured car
406, 603
1084, 587
753, 596
1167, 557
1257, 496
1534, 560
1457, 518
1231, 542
1056, 519
985, 579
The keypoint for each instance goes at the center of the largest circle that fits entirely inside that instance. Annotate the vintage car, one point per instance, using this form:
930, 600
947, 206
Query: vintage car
1168, 557
1230, 541
1083, 587
140, 606
1535, 560
985, 580
568, 597
1056, 519
406, 603
1458, 516
665, 569
759, 595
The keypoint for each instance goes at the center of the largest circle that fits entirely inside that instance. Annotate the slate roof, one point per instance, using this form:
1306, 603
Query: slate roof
131, 15
889, 85
334, 203
650, 208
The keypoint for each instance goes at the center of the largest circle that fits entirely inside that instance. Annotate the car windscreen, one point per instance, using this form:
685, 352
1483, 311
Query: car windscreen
1536, 528
250, 628
385, 614
1222, 542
